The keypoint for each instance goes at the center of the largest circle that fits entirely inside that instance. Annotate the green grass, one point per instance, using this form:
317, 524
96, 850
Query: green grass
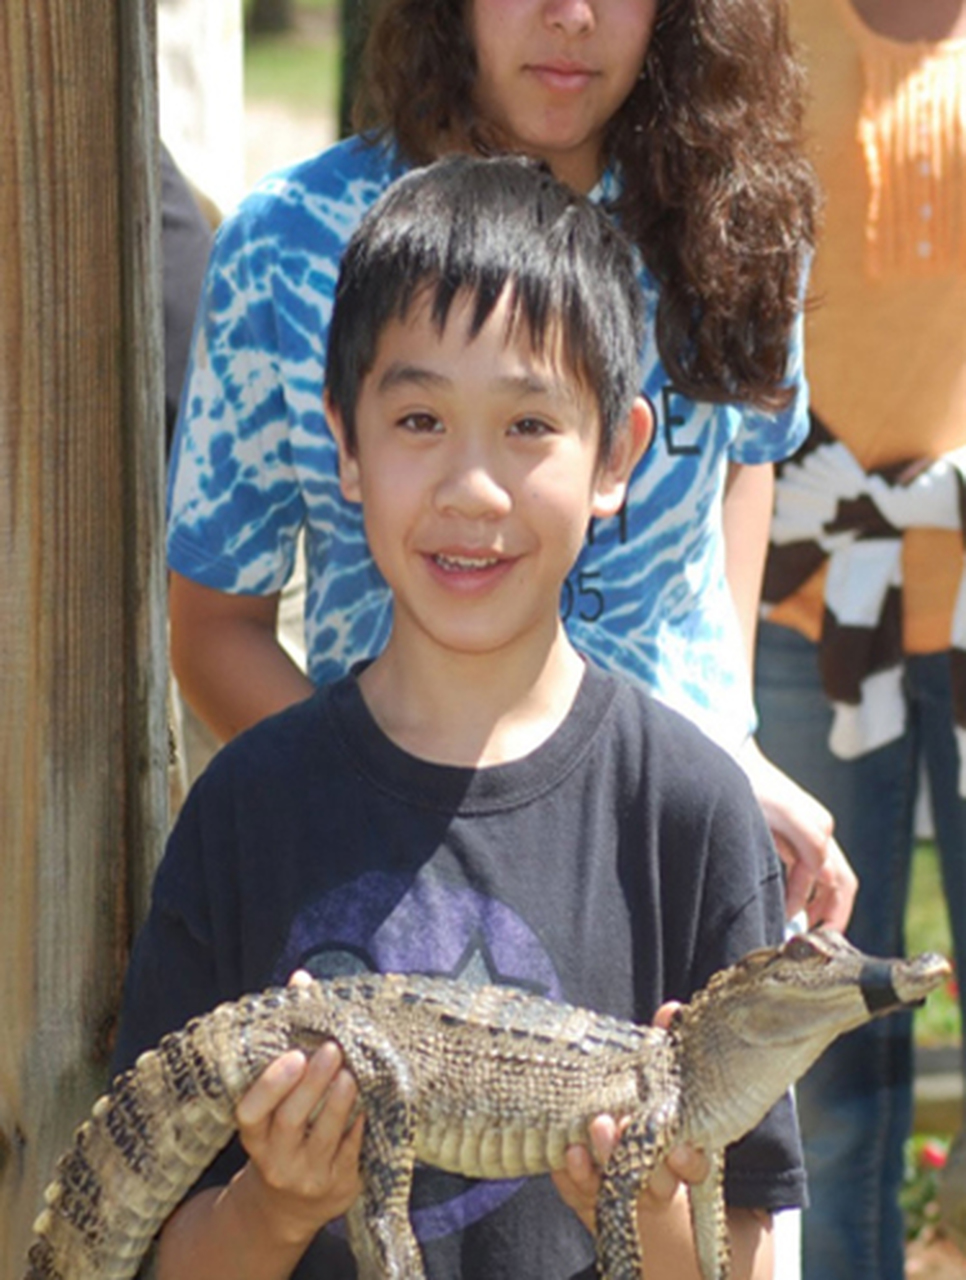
293, 69
927, 929
303, 77
936, 1023
319, 6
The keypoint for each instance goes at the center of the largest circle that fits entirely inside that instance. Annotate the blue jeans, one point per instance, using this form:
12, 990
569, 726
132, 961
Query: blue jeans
855, 1105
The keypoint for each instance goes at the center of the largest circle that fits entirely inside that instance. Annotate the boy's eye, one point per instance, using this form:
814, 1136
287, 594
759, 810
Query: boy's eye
420, 423
531, 427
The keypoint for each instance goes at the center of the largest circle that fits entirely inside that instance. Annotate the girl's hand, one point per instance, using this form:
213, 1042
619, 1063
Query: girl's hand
819, 880
295, 1123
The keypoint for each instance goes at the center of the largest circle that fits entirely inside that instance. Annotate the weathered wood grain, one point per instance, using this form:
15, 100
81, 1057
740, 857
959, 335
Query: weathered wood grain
82, 739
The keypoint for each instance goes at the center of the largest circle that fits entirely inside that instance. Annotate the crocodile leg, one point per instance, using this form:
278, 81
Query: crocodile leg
709, 1222
380, 1232
644, 1142
365, 1249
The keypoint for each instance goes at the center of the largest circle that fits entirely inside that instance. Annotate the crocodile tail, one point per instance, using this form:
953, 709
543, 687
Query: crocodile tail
151, 1136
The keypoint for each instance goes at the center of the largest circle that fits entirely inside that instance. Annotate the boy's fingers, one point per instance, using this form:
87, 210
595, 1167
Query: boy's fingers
578, 1183
308, 1100
349, 1151
579, 1165
662, 1185
666, 1012
275, 1083
602, 1132
300, 978
331, 1145
688, 1164
290, 1088
342, 1161
682, 1165
323, 1067
327, 1122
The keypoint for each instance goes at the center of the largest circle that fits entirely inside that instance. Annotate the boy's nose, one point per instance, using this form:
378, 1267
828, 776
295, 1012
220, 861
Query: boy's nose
573, 17
472, 489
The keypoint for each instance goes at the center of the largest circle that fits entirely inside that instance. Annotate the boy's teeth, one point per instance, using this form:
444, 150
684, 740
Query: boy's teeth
466, 562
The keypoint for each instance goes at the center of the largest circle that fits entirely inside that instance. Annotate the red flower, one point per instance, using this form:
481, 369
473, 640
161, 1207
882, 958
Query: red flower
932, 1154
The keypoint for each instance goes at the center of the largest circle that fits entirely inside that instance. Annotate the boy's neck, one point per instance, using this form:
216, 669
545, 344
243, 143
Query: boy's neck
470, 711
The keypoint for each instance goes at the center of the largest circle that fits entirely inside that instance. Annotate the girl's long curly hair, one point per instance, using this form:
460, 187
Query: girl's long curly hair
716, 192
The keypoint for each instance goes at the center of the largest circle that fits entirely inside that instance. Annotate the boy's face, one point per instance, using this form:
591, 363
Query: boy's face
478, 468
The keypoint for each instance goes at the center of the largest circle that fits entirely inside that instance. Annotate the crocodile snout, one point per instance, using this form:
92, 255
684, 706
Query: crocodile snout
888, 985
914, 979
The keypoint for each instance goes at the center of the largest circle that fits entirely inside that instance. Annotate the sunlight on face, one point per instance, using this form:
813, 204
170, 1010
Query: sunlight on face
477, 464
552, 73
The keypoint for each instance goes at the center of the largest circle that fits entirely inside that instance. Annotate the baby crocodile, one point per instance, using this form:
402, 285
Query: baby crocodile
483, 1081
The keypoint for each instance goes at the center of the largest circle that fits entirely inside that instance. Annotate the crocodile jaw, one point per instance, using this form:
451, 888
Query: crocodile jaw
911, 980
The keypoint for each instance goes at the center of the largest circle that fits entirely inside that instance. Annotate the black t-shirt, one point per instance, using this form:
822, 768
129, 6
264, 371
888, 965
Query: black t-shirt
617, 866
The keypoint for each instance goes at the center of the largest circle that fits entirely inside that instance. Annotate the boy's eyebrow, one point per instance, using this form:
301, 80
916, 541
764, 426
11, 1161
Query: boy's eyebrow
532, 384
400, 374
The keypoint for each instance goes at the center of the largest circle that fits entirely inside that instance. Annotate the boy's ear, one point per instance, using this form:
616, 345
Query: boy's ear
349, 481
630, 444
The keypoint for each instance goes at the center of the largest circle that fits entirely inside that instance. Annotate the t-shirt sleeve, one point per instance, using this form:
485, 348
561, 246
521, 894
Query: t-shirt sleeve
234, 504
252, 440
768, 436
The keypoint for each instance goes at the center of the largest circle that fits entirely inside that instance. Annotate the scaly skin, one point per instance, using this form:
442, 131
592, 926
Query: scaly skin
441, 1068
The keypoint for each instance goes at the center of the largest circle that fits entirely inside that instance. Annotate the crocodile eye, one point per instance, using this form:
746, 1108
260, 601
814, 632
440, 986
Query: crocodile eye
801, 947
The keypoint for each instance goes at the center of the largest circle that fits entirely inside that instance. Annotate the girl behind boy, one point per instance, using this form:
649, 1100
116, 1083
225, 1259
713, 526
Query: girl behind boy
681, 117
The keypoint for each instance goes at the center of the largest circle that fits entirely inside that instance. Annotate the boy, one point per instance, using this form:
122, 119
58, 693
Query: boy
477, 801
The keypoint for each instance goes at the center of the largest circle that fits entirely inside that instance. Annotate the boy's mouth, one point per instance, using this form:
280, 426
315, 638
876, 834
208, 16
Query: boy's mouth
453, 563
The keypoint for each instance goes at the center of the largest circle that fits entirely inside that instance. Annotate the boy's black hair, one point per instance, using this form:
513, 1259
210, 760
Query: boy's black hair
467, 226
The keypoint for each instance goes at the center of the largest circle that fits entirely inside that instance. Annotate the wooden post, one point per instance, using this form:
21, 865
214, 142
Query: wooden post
83, 747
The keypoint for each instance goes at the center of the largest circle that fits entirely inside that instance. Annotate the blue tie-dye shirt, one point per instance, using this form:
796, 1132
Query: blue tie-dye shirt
254, 463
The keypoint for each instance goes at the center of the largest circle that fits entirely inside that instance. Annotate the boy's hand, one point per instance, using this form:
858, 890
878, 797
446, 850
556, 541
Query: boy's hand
579, 1182
294, 1123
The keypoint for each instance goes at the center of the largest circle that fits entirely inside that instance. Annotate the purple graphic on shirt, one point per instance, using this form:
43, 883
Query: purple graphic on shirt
426, 924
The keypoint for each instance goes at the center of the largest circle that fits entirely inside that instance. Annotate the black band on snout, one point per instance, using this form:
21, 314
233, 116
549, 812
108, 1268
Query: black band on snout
875, 981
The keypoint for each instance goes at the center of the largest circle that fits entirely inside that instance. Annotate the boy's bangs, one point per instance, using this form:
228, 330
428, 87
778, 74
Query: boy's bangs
478, 230
554, 332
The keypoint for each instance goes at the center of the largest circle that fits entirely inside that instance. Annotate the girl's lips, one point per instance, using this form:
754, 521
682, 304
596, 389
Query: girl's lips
561, 75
